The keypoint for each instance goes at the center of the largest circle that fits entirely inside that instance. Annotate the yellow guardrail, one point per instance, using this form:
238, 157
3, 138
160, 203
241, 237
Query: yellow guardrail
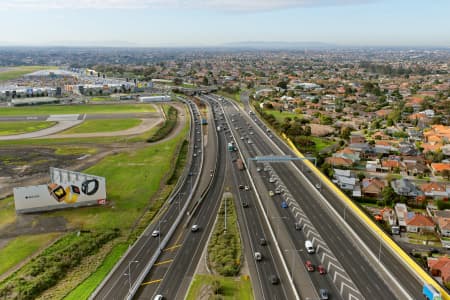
387, 239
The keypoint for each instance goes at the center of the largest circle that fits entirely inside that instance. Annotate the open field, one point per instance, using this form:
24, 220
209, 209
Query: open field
10, 128
76, 109
16, 72
203, 287
103, 125
22, 247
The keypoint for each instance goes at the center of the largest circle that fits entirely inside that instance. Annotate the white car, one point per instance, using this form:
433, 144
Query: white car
195, 228
247, 188
155, 233
272, 180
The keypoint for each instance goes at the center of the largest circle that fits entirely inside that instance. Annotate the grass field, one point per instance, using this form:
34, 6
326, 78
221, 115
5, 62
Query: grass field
103, 125
131, 179
84, 290
16, 72
236, 96
280, 116
229, 288
76, 109
102, 98
9, 128
75, 150
22, 247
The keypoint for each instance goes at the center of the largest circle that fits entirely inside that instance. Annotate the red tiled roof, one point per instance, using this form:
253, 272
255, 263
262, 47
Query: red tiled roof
420, 221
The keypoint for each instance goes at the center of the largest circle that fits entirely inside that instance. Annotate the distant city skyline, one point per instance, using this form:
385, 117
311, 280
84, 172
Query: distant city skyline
203, 23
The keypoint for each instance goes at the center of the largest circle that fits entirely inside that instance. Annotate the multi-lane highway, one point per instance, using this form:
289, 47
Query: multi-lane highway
368, 276
122, 279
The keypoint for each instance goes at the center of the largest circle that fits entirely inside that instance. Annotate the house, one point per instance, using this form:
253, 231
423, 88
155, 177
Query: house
372, 187
349, 154
373, 165
404, 187
339, 161
390, 165
401, 210
440, 267
357, 139
419, 223
440, 168
434, 190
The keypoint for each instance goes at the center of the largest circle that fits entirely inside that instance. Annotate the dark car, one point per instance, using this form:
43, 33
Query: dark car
244, 204
262, 241
274, 279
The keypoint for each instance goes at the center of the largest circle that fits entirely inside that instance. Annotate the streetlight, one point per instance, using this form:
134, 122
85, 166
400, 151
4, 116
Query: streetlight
129, 273
293, 260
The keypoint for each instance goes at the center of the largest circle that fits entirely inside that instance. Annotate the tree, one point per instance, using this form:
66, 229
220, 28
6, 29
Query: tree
178, 81
345, 133
446, 174
389, 195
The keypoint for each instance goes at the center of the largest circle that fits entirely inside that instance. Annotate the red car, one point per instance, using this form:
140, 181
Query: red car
321, 269
309, 266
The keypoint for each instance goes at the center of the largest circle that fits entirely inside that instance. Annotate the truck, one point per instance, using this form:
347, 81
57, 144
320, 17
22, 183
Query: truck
430, 292
240, 164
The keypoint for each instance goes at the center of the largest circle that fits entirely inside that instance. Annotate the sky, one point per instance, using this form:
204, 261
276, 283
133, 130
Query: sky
202, 23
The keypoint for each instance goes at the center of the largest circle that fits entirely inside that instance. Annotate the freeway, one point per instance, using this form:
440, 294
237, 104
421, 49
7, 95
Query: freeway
122, 278
253, 229
371, 256
174, 269
327, 227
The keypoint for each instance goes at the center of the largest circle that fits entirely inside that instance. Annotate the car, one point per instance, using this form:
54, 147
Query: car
155, 233
277, 191
284, 204
195, 154
309, 266
318, 186
241, 186
250, 142
274, 279
323, 293
272, 180
321, 269
271, 193
251, 132
262, 241
244, 204
242, 138
159, 297
258, 169
298, 226
195, 228
258, 256
247, 188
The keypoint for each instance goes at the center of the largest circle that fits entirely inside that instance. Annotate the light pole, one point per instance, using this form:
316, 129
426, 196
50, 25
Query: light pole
129, 273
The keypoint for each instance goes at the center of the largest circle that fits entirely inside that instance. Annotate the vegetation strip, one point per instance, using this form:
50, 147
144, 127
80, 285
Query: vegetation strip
168, 125
224, 249
218, 287
52, 264
104, 125
77, 109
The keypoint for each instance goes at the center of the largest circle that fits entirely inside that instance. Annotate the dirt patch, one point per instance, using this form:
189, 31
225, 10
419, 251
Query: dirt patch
321, 130
33, 224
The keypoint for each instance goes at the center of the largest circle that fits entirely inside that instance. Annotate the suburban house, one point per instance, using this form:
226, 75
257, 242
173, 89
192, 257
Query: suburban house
435, 190
401, 210
404, 187
348, 153
373, 165
440, 168
339, 161
440, 267
344, 179
372, 187
419, 223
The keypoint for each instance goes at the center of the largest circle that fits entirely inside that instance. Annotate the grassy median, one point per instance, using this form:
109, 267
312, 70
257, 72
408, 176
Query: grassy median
77, 109
224, 249
218, 287
103, 125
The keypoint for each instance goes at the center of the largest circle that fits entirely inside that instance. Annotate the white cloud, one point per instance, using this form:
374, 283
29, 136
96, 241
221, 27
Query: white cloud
227, 5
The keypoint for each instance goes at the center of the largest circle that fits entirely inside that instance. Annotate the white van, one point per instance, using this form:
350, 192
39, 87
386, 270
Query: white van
309, 246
